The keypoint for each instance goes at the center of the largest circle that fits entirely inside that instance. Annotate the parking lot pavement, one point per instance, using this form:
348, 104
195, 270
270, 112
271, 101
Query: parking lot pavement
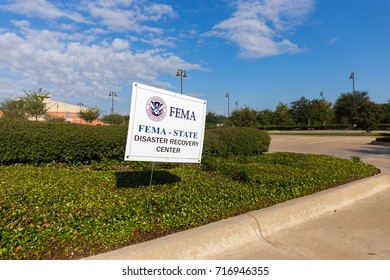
370, 151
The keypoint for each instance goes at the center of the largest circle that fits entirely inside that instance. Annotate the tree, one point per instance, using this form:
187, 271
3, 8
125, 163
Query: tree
113, 119
34, 102
213, 119
345, 107
322, 112
282, 115
301, 111
265, 117
244, 117
89, 114
368, 114
13, 109
386, 113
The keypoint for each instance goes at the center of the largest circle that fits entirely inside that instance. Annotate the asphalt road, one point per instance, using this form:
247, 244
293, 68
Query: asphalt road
377, 153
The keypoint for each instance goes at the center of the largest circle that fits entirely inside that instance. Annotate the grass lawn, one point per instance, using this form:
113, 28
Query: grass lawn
59, 212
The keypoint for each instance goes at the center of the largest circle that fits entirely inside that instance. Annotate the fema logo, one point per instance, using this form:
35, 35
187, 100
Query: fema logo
156, 108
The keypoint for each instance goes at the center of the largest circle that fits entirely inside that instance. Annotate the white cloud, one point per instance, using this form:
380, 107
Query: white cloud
22, 24
70, 69
119, 44
257, 27
130, 15
119, 15
80, 50
333, 41
40, 8
157, 12
159, 42
114, 19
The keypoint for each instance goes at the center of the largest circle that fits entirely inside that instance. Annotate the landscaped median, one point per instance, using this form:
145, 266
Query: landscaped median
56, 212
65, 192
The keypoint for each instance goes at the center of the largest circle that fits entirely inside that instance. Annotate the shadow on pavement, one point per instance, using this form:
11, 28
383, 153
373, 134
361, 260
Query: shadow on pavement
375, 148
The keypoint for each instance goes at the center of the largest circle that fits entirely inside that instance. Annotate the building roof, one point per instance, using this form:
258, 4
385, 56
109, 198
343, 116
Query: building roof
58, 106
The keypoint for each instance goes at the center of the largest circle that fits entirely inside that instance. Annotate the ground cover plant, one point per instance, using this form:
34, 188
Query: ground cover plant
69, 212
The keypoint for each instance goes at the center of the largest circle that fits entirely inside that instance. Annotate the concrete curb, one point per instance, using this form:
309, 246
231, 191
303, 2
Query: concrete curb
230, 234
197, 243
300, 210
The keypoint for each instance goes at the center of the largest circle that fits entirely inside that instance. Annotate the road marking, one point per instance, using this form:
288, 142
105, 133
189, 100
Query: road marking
330, 140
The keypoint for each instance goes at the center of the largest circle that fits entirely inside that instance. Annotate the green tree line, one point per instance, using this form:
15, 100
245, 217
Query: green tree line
356, 110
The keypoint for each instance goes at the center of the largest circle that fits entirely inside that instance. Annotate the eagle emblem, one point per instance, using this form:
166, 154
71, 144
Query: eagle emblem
156, 108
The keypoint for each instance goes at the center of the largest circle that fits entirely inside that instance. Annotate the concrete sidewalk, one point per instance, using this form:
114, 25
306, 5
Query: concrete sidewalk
348, 222
353, 224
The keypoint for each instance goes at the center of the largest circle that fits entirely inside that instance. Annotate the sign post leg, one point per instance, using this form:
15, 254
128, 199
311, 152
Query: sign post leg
181, 181
150, 188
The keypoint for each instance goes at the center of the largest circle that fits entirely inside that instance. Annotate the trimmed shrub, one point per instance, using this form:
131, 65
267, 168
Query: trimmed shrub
35, 142
383, 139
39, 143
382, 126
318, 127
231, 141
305, 127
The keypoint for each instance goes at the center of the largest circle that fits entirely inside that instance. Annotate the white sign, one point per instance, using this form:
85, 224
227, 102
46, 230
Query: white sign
165, 126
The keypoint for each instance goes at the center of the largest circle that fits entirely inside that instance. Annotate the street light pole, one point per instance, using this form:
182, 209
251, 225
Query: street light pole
80, 104
182, 74
228, 97
112, 94
353, 94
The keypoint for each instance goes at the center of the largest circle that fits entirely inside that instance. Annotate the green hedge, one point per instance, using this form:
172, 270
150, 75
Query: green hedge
383, 139
34, 142
305, 127
382, 126
39, 143
230, 141
318, 127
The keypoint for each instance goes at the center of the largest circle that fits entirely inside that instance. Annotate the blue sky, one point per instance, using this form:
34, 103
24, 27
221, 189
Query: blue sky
260, 51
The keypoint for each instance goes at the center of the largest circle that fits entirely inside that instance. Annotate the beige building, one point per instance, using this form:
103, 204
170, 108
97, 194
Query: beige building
61, 110
69, 112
